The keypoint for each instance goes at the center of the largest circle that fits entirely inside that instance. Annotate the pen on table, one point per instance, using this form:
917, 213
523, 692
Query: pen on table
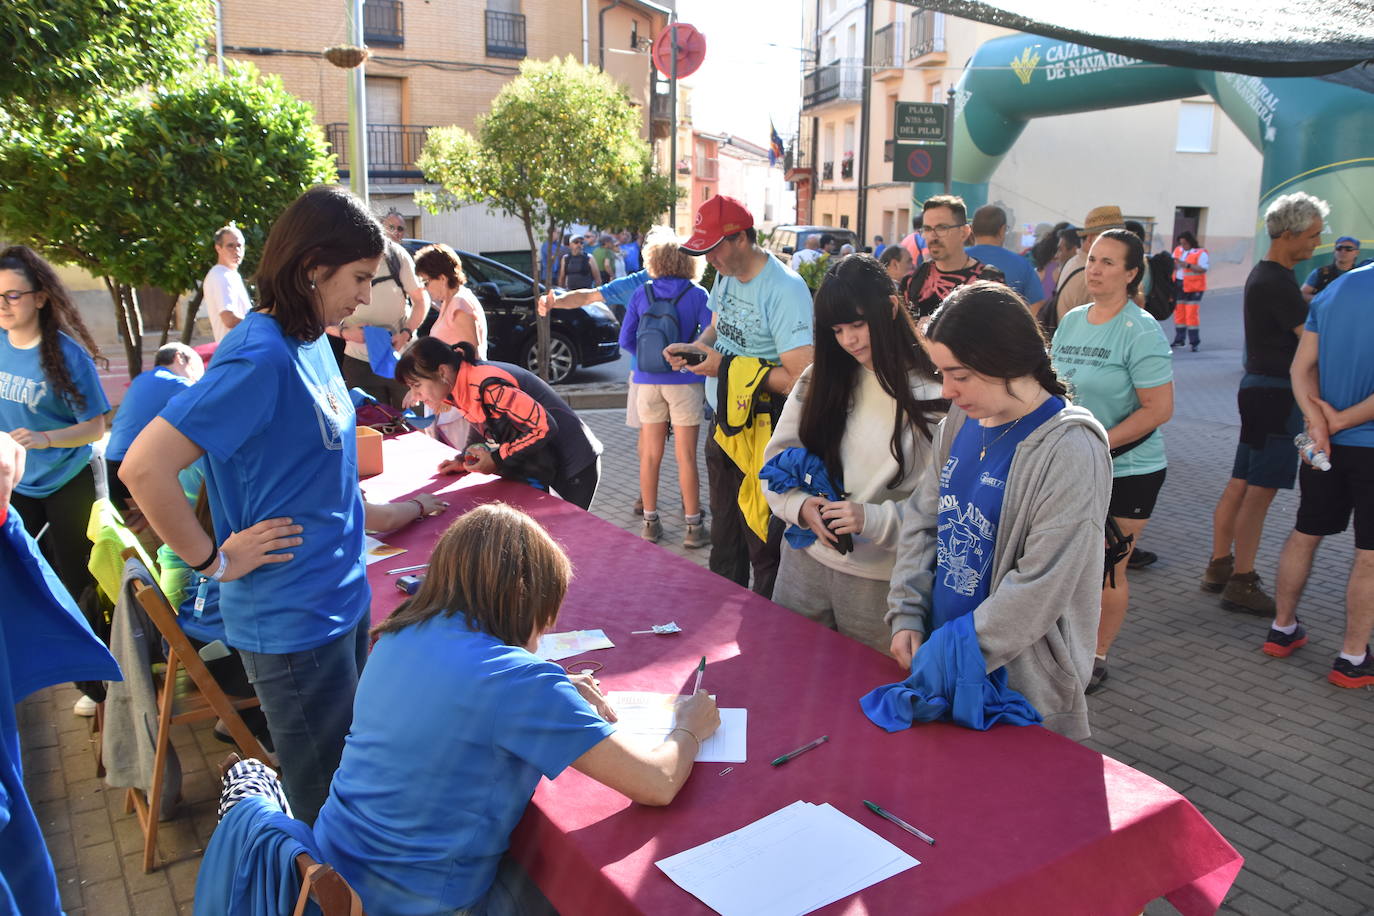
898, 821
801, 750
701, 669
401, 569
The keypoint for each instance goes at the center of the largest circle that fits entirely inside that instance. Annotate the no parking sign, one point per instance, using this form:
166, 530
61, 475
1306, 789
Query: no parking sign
916, 162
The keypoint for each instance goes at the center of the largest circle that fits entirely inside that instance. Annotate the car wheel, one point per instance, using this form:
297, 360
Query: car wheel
562, 357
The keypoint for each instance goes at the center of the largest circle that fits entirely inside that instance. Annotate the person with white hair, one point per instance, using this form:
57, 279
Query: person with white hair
226, 298
1266, 462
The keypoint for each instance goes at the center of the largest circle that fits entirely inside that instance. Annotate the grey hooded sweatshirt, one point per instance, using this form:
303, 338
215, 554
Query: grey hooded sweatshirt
1041, 614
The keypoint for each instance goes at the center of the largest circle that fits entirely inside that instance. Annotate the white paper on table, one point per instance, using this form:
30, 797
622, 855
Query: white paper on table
555, 646
374, 550
651, 716
758, 870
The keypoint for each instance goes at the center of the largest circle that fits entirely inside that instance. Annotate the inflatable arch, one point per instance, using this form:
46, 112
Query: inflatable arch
1314, 135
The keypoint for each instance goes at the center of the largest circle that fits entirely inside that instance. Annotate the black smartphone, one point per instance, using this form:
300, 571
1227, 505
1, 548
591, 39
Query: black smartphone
845, 543
690, 355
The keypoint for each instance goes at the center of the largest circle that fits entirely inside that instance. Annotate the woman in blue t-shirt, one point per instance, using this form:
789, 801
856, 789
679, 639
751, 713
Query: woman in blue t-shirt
1114, 358
456, 720
1005, 531
52, 404
275, 423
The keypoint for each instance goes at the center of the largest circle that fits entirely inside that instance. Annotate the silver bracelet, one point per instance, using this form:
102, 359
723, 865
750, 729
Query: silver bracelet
680, 728
221, 568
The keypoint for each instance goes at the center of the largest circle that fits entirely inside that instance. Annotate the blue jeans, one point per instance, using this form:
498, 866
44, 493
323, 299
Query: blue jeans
308, 699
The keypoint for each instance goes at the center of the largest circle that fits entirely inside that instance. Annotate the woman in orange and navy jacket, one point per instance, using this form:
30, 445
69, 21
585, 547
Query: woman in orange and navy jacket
520, 428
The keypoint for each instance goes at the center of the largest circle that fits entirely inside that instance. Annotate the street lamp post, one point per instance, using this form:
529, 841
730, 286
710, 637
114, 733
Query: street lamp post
357, 105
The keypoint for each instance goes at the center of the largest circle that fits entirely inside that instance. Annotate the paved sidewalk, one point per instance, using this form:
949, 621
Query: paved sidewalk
1276, 757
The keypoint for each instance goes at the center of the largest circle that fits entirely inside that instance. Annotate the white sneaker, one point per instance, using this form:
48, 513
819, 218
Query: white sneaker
84, 707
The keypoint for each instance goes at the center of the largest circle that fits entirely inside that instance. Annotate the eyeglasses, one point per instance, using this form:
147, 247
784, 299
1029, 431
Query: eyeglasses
941, 229
14, 295
1346, 248
392, 227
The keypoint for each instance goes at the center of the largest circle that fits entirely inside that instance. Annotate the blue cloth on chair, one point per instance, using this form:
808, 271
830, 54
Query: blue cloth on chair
796, 468
949, 682
380, 354
249, 867
44, 640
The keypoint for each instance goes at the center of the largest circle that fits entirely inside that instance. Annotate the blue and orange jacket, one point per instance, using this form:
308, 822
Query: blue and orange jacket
492, 401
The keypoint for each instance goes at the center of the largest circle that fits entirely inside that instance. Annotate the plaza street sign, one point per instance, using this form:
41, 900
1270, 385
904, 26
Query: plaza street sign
912, 162
920, 121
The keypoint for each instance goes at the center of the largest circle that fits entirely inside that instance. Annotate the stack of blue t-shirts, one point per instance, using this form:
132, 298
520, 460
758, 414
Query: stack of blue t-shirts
949, 682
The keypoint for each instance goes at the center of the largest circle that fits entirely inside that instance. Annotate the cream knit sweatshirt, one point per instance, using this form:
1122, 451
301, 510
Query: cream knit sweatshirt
869, 467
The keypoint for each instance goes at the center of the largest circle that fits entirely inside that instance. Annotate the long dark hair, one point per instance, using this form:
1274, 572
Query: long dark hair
328, 227
499, 568
57, 315
1043, 250
990, 329
857, 288
423, 358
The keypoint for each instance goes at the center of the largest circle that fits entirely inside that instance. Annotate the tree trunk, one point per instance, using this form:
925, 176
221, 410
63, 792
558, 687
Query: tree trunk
129, 322
542, 320
192, 308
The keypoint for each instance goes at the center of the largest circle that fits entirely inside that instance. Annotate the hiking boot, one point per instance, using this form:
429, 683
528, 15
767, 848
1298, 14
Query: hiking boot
1344, 674
1282, 645
1141, 559
1243, 593
1218, 571
697, 536
652, 530
1099, 676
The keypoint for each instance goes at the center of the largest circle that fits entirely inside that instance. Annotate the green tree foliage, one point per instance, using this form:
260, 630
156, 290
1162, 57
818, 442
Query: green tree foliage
638, 203
133, 193
560, 140
64, 54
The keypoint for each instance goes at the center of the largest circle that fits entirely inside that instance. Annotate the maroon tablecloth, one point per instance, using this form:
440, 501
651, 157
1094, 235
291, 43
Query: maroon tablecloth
1025, 821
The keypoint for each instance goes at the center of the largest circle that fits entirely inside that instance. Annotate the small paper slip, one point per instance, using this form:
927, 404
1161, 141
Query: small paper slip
555, 646
795, 860
650, 716
374, 550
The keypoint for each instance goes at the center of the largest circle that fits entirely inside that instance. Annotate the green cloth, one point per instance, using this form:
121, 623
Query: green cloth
1104, 364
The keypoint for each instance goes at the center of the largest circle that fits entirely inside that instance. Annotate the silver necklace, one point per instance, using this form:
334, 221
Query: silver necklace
983, 453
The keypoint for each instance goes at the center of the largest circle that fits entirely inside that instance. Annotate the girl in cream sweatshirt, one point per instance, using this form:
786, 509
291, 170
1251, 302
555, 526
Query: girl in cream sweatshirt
867, 408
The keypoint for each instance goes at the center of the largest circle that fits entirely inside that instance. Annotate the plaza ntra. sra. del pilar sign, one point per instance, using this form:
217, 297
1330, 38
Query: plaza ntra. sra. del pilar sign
919, 122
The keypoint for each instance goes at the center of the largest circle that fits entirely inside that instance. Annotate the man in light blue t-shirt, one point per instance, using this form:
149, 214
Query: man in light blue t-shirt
175, 367
989, 239
1333, 383
760, 309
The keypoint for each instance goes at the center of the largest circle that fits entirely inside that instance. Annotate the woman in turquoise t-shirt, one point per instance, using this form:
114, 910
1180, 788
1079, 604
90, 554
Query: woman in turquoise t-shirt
1118, 365
456, 721
52, 404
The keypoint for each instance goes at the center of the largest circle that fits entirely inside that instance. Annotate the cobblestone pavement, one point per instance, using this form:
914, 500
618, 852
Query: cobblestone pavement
1272, 754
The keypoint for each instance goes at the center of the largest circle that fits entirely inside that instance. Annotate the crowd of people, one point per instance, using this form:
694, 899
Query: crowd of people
948, 434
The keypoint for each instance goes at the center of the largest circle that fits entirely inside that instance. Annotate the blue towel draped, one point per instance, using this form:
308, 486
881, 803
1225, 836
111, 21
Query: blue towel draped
949, 682
250, 865
380, 353
798, 469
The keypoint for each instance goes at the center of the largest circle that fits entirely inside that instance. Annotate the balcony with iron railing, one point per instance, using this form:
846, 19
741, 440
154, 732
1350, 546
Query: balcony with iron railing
505, 34
840, 81
889, 50
827, 171
391, 150
661, 107
384, 22
927, 34
707, 168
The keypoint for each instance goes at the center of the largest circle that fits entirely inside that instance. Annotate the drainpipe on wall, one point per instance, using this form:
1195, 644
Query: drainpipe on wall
586, 36
865, 98
601, 34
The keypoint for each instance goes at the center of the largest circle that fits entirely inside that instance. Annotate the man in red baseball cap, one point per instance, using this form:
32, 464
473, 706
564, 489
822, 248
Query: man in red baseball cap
758, 343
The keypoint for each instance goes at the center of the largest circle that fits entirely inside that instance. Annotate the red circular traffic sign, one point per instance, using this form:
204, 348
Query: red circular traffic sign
691, 50
919, 163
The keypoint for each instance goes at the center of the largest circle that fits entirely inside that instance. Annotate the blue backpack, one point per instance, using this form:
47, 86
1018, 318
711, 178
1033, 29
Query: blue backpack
658, 327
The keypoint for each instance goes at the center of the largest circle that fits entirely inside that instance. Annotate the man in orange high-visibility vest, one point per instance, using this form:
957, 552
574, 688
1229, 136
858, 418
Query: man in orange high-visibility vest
1192, 267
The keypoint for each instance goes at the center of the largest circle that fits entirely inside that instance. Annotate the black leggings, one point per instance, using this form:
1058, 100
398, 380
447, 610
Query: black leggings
579, 488
67, 513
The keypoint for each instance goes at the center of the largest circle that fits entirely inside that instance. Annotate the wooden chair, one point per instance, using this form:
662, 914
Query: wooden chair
327, 887
180, 701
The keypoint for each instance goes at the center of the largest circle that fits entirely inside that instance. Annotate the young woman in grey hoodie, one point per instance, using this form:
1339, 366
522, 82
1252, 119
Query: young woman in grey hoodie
1008, 526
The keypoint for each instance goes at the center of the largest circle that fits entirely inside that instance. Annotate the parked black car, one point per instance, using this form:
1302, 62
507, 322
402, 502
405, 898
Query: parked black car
587, 336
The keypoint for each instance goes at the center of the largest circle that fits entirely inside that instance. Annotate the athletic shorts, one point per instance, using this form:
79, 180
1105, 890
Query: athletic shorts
1275, 466
684, 405
1329, 498
1134, 496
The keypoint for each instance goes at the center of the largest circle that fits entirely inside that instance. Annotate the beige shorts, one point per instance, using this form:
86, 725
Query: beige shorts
685, 405
632, 403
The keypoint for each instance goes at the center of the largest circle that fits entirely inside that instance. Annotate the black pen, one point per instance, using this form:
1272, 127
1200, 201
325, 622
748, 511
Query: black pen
801, 750
898, 821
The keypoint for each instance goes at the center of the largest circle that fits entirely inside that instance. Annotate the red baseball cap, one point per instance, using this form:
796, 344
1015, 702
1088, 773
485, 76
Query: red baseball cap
718, 217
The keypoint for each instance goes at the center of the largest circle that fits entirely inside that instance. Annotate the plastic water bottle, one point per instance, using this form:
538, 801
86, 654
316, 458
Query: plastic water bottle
1309, 451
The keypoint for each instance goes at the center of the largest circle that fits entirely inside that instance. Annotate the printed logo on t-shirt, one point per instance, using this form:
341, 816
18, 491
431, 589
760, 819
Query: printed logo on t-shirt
328, 412
22, 390
966, 539
988, 480
945, 472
